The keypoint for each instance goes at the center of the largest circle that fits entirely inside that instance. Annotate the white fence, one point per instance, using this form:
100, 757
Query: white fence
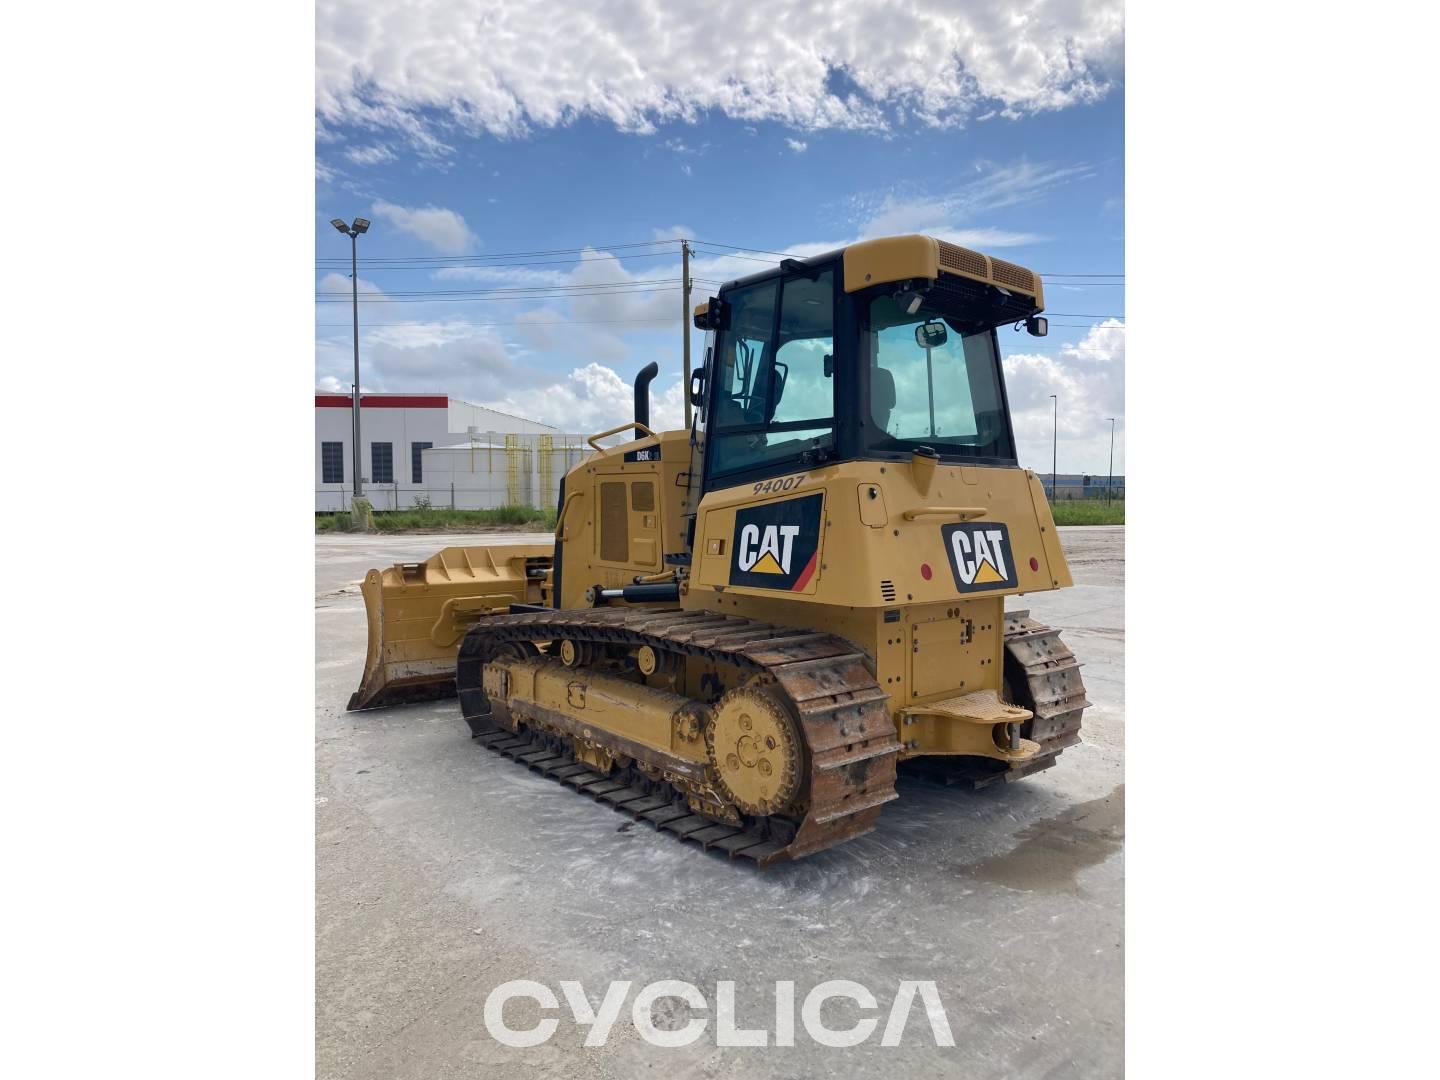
524, 470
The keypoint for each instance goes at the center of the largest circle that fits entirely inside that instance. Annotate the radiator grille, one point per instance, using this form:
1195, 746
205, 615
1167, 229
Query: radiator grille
642, 496
614, 523
1010, 274
954, 257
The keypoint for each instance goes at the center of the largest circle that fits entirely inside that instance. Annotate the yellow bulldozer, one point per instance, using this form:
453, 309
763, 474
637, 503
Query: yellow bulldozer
743, 628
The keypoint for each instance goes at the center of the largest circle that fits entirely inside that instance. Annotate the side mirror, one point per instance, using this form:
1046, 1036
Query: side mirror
697, 387
931, 335
1037, 325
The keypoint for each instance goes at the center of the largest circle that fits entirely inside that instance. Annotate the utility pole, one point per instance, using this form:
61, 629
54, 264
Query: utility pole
685, 321
354, 231
1054, 446
1110, 480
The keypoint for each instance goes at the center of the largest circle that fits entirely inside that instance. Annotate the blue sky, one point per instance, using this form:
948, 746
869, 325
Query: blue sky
465, 135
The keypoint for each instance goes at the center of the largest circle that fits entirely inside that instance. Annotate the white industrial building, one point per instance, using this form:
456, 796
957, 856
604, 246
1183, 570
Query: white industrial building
435, 448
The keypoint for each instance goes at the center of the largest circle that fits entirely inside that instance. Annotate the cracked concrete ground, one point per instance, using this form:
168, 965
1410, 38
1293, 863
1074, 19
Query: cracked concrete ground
444, 870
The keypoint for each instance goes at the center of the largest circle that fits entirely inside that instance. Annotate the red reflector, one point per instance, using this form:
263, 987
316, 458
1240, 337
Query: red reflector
1034, 563
925, 570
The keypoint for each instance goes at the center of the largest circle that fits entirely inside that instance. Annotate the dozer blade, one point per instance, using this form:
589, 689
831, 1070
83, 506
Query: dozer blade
418, 612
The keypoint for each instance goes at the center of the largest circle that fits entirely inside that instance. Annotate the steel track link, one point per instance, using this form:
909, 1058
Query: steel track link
1055, 690
844, 714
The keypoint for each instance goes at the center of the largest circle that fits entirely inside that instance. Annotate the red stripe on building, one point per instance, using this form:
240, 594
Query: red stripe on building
395, 401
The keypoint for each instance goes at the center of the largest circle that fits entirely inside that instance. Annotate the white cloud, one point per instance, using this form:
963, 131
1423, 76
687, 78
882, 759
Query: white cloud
441, 350
332, 286
1089, 381
674, 232
481, 363
945, 215
505, 67
442, 229
541, 328
479, 366
798, 145
370, 155
502, 274
593, 398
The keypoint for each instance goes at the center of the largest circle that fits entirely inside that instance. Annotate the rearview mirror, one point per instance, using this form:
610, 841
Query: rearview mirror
1037, 325
931, 335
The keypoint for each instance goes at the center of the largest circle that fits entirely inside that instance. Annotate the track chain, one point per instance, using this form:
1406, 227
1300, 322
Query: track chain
1055, 692
844, 717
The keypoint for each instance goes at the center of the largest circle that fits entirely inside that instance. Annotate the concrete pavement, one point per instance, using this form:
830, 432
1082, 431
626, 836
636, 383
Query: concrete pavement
444, 870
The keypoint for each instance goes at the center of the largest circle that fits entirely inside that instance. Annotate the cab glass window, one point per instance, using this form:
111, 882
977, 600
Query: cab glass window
933, 380
775, 386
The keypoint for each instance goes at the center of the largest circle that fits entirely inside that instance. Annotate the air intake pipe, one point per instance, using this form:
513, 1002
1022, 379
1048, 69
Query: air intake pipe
642, 392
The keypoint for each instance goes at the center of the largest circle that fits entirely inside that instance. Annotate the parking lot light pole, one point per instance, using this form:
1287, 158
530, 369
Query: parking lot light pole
353, 231
1054, 446
1110, 480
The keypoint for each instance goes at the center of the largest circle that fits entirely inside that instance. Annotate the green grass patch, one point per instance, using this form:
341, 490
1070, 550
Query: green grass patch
1086, 512
436, 518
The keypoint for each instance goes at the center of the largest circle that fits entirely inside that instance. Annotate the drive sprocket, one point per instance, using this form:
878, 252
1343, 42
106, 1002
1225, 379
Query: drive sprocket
754, 746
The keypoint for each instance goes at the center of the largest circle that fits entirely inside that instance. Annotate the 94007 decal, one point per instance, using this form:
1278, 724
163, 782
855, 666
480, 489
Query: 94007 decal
779, 483
776, 545
980, 556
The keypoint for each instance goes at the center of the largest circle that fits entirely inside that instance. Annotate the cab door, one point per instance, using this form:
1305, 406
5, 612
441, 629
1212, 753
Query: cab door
771, 404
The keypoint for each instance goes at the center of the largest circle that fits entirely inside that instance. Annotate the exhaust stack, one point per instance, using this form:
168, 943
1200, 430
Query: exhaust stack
642, 392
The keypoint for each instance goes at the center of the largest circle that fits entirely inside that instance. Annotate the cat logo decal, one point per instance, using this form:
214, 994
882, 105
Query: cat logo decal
777, 545
980, 556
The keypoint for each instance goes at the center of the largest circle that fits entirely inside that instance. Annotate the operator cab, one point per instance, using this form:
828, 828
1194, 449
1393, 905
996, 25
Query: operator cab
872, 352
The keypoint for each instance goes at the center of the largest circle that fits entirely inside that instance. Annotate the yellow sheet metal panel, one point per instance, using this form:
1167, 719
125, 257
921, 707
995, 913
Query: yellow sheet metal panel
631, 710
989, 537
947, 655
894, 258
1053, 562
904, 258
872, 506
776, 543
651, 472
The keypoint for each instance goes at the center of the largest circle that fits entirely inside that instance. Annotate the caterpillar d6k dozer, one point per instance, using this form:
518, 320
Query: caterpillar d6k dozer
744, 627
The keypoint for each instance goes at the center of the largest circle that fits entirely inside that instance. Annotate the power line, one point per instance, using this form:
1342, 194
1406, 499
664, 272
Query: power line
483, 299
513, 322
599, 252
513, 288
520, 254
384, 263
737, 247
528, 292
